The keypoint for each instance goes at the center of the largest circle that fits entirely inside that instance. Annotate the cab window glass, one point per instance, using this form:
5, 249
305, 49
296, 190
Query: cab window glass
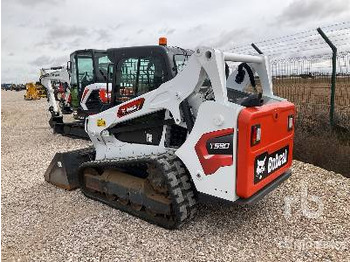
73, 72
86, 70
103, 63
181, 61
140, 75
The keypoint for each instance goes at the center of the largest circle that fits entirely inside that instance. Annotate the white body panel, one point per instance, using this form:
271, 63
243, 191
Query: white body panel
88, 90
222, 182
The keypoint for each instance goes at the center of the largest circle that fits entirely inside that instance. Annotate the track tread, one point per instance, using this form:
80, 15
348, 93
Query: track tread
180, 187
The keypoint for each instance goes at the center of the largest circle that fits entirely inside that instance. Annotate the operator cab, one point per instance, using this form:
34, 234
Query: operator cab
88, 66
139, 70
144, 68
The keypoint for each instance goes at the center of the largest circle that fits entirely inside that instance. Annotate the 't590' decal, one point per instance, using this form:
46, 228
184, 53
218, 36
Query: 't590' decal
130, 107
215, 150
217, 146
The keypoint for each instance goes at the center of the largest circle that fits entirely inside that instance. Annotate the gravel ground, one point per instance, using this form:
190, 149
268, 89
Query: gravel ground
305, 219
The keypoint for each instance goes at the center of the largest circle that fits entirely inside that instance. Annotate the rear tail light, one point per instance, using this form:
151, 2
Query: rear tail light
290, 122
255, 135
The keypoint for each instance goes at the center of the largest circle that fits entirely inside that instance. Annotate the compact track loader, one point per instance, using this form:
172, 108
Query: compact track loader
165, 140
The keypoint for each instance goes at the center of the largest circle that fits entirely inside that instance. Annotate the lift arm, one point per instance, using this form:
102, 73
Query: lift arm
53, 74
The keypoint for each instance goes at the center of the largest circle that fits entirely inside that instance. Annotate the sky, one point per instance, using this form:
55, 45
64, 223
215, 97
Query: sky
42, 33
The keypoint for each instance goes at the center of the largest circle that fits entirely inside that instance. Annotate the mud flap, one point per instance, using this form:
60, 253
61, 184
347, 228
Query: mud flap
63, 169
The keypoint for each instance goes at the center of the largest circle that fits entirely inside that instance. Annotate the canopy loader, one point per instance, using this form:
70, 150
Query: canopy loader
170, 135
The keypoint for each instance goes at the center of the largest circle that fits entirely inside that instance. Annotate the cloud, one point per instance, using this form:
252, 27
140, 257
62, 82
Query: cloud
116, 26
67, 31
225, 38
54, 28
166, 31
38, 2
51, 43
41, 60
196, 28
301, 11
60, 37
102, 35
44, 61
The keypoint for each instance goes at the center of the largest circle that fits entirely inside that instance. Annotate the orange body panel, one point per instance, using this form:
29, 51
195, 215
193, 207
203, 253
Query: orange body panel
273, 119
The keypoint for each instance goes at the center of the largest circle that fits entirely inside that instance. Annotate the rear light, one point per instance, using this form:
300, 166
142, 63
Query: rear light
255, 135
290, 122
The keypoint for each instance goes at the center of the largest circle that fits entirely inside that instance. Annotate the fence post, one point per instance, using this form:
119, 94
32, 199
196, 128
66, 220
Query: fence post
334, 72
256, 49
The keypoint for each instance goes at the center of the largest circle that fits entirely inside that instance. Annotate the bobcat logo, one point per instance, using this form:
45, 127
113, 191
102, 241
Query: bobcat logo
260, 169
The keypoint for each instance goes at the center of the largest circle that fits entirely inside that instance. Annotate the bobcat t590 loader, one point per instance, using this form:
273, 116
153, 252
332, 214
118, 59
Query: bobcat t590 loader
161, 145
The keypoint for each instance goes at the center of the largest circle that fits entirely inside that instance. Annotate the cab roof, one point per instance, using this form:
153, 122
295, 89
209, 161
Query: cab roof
115, 54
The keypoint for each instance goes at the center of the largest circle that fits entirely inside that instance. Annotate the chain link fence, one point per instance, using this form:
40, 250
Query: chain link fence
302, 69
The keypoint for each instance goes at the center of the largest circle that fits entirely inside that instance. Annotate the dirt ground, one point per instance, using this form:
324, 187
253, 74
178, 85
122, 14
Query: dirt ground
306, 219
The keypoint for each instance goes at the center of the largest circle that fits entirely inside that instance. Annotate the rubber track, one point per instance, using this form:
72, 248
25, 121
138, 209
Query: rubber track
180, 187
